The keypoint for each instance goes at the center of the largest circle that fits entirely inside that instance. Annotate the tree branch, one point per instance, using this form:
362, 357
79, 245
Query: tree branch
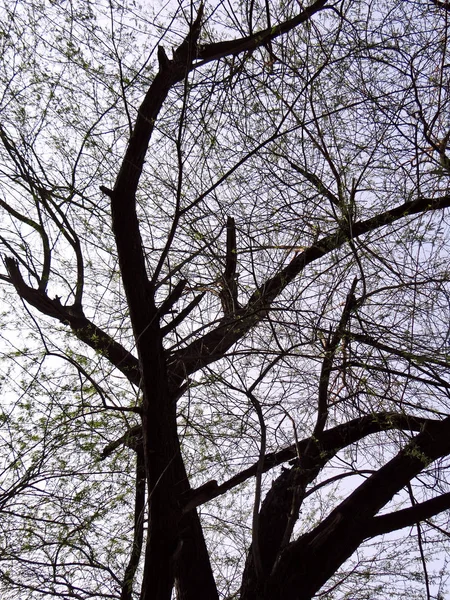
327, 364
132, 438
331, 441
209, 52
228, 293
338, 536
138, 528
408, 516
182, 315
125, 224
73, 315
213, 345
317, 183
445, 5
173, 297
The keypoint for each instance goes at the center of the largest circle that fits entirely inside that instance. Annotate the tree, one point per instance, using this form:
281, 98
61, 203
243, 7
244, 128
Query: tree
226, 299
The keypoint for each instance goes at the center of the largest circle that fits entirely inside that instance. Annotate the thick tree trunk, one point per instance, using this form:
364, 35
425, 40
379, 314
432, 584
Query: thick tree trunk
306, 564
175, 544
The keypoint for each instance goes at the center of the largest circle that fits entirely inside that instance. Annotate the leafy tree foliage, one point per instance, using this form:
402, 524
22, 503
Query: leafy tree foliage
226, 300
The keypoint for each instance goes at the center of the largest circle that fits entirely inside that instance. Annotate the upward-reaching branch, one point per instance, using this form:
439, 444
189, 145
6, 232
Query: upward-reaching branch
125, 223
209, 52
327, 364
337, 536
229, 292
213, 345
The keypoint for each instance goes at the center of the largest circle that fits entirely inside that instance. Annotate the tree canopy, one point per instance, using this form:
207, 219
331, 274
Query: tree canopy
225, 339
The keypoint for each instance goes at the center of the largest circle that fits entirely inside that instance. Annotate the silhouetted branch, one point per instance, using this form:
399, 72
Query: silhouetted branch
73, 315
331, 441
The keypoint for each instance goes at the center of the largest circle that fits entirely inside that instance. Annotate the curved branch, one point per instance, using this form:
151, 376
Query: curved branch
213, 345
85, 330
125, 223
24, 170
209, 52
69, 233
331, 441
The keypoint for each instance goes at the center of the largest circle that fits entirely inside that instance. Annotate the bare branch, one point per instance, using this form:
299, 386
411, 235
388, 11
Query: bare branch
228, 293
331, 441
209, 52
327, 364
214, 344
73, 315
138, 525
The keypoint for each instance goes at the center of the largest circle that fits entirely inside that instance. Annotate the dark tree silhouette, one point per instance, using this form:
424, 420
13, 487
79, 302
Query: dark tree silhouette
226, 300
